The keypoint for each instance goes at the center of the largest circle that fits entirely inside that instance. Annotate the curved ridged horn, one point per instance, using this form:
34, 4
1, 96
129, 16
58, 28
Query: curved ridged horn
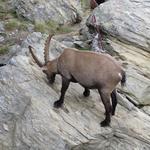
40, 64
46, 48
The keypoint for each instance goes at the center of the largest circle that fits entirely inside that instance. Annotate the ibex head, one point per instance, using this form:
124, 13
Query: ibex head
49, 67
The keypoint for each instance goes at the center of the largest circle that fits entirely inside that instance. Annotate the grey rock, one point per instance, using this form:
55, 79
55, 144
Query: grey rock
2, 32
137, 69
2, 38
29, 121
2, 27
30, 28
124, 102
13, 103
115, 140
13, 50
97, 44
61, 11
146, 96
127, 20
146, 110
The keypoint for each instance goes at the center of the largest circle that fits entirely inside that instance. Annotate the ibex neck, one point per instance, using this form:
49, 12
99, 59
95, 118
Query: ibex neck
55, 65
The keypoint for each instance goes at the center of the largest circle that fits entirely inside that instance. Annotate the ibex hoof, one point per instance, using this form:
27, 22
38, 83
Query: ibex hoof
86, 93
58, 104
104, 123
113, 113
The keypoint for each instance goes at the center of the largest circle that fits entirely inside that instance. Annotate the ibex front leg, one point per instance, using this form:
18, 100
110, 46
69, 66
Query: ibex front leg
65, 85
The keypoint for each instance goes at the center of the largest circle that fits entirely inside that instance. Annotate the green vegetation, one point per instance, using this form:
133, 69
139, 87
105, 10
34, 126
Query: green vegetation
13, 21
13, 13
51, 26
3, 0
2, 11
4, 49
85, 4
2, 15
55, 27
83, 49
41, 27
13, 24
64, 29
10, 17
23, 26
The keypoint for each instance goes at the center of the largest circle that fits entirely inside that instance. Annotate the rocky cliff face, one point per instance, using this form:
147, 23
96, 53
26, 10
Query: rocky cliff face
64, 11
28, 120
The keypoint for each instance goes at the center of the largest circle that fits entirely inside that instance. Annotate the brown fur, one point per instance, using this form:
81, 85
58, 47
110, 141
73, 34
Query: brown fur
93, 4
89, 69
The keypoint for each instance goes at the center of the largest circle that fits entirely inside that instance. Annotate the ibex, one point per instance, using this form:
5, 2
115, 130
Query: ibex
91, 70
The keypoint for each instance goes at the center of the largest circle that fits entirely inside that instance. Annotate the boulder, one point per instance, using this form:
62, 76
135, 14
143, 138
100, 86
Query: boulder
137, 66
61, 12
126, 20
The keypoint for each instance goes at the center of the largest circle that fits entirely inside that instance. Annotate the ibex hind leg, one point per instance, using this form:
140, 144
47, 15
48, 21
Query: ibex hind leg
65, 85
114, 101
108, 108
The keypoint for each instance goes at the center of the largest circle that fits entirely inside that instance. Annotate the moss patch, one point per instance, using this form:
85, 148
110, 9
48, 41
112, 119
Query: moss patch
85, 4
64, 29
82, 49
10, 17
51, 27
13, 21
40, 27
13, 24
4, 49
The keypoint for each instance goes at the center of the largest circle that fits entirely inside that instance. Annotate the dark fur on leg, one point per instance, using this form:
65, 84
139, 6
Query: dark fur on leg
108, 108
65, 85
100, 1
114, 101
